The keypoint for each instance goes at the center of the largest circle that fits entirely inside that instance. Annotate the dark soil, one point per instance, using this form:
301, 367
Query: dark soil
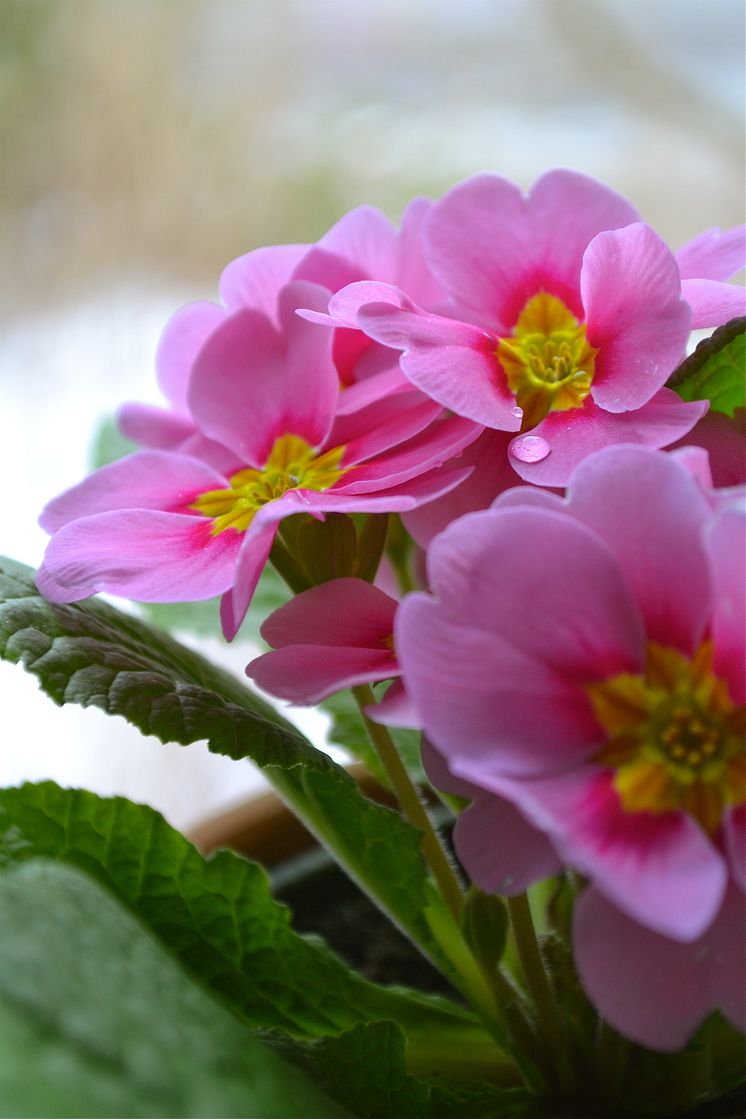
325, 901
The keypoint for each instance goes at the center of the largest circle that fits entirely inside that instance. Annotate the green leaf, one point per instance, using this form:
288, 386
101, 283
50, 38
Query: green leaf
90, 653
479, 1100
217, 917
716, 371
364, 1070
347, 730
369, 1071
96, 1019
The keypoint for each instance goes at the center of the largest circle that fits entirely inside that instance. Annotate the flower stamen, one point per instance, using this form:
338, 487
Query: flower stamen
292, 464
676, 739
548, 362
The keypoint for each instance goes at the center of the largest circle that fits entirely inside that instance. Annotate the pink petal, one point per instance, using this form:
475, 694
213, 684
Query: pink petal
635, 315
492, 474
713, 303
310, 382
734, 828
499, 849
154, 427
725, 541
252, 558
696, 462
575, 434
713, 255
648, 509
214, 454
521, 497
307, 674
368, 391
138, 553
145, 480
485, 568
388, 498
440, 776
724, 439
654, 990
383, 424
493, 248
438, 444
253, 280
342, 612
492, 687
453, 362
345, 305
236, 389
348, 347
375, 360
184, 334
395, 709
362, 245
250, 385
660, 869
414, 274
431, 345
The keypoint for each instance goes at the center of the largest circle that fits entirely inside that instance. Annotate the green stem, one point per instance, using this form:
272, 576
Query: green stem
462, 1057
490, 990
403, 574
411, 805
398, 549
532, 965
612, 1052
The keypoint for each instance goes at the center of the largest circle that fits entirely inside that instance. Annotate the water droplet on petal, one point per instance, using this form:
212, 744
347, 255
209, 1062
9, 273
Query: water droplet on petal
530, 448
517, 412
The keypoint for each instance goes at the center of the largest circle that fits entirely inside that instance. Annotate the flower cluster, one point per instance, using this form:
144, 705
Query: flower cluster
496, 372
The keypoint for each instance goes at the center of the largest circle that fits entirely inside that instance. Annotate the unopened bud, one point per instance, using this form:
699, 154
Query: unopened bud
485, 925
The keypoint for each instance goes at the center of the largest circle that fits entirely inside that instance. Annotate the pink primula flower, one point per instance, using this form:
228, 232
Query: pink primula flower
163, 526
333, 637
566, 317
328, 638
583, 659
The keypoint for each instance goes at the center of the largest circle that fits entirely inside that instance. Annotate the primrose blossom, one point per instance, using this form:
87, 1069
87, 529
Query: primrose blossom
565, 317
330, 637
167, 526
579, 666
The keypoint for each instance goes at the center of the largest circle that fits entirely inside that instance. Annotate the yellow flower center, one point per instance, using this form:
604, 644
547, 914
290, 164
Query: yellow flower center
292, 465
676, 739
547, 360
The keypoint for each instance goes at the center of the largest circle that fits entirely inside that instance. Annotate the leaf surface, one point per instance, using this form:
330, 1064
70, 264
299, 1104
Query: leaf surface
96, 1019
215, 915
91, 654
716, 371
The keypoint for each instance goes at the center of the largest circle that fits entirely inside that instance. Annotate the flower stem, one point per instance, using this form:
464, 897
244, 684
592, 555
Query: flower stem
488, 988
411, 805
537, 982
612, 1051
398, 547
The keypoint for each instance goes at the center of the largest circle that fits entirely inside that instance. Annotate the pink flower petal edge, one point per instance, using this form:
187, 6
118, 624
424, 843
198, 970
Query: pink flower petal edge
654, 990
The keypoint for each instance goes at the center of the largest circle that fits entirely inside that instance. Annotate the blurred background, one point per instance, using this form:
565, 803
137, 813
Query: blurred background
145, 143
